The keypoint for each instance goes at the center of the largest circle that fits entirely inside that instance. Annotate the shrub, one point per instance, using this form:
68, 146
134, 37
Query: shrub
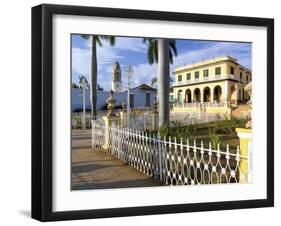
214, 137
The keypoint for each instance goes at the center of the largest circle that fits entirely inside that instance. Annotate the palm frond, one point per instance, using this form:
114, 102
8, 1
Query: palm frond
150, 54
112, 40
155, 43
172, 50
173, 47
153, 81
85, 36
145, 40
109, 38
98, 40
171, 56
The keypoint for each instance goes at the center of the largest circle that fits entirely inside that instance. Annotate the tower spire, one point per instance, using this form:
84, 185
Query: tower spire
116, 77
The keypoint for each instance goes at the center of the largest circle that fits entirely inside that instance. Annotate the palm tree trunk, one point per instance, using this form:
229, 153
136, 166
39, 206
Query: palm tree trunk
93, 78
163, 79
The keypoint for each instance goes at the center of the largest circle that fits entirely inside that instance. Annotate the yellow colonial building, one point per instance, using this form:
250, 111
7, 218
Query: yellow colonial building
211, 85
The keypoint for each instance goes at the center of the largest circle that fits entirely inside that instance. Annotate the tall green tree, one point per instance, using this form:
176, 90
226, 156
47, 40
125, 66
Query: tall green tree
161, 51
95, 39
74, 85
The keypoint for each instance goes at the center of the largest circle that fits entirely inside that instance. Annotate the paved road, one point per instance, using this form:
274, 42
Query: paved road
94, 170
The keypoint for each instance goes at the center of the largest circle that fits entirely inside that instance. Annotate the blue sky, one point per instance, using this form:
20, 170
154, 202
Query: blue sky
133, 51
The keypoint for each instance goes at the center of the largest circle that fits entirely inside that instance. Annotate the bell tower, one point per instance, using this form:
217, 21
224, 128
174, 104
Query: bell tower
116, 78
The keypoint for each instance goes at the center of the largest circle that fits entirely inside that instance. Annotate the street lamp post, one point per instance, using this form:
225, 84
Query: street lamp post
130, 71
84, 85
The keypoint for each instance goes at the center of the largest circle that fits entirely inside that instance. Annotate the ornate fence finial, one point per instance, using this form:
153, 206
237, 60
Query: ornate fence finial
123, 106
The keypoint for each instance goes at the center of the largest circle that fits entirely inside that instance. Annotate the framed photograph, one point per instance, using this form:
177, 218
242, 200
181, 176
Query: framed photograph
146, 112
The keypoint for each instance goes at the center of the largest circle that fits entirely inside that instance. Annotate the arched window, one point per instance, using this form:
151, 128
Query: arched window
207, 94
217, 94
197, 95
232, 94
188, 96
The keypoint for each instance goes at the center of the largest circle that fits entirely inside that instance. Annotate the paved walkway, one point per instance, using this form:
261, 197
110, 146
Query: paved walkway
95, 170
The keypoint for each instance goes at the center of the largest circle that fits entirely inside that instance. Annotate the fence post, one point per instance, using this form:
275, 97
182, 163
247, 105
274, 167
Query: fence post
109, 121
123, 118
164, 160
129, 145
159, 150
154, 155
93, 134
245, 137
118, 142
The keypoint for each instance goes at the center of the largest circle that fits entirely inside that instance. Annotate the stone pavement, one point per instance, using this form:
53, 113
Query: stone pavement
95, 170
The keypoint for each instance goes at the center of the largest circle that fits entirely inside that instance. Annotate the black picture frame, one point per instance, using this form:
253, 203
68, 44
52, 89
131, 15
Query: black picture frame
42, 111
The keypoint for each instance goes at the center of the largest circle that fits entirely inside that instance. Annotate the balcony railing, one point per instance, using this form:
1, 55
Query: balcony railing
201, 104
204, 79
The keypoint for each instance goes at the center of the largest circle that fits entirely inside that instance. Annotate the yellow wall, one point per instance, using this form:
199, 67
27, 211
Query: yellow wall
230, 84
225, 88
224, 62
230, 90
211, 69
245, 137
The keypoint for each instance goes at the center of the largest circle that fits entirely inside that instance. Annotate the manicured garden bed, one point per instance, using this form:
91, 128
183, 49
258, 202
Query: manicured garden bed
218, 132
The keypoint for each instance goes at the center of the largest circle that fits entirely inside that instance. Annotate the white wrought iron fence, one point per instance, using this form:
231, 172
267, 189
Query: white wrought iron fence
168, 160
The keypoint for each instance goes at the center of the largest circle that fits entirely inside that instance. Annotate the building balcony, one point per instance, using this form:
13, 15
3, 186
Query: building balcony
202, 104
204, 79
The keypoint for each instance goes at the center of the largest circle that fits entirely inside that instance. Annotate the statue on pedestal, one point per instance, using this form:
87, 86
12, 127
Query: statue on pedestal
110, 104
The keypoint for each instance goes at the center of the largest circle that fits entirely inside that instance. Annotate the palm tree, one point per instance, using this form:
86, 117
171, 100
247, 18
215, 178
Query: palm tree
95, 39
162, 51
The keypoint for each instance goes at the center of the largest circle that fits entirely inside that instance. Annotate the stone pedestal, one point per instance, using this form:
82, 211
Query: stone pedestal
123, 119
245, 137
109, 121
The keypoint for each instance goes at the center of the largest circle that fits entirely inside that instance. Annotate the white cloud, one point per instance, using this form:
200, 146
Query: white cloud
106, 54
236, 50
122, 43
130, 44
80, 60
143, 73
